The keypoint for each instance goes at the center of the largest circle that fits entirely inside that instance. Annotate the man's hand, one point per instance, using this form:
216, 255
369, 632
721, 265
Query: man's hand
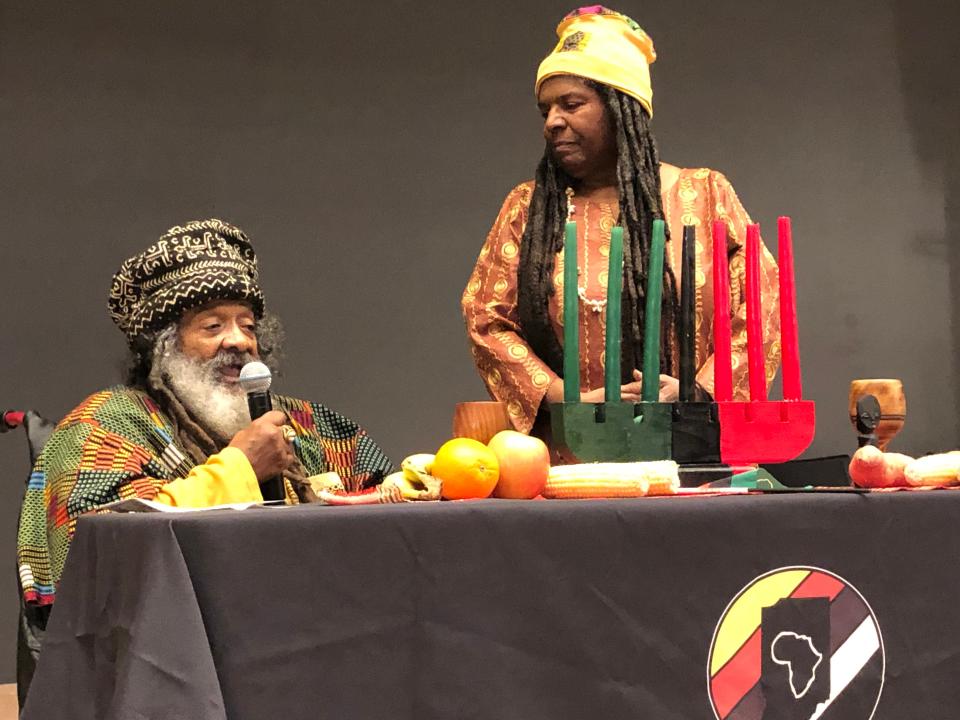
263, 443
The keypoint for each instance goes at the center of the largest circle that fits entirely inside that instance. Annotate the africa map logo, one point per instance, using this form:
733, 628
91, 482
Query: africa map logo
797, 643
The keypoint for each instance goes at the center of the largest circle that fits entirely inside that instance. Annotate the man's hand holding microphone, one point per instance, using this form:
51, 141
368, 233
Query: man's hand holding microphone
266, 446
268, 440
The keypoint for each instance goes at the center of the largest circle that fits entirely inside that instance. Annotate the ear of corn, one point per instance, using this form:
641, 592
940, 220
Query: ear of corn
934, 470
612, 480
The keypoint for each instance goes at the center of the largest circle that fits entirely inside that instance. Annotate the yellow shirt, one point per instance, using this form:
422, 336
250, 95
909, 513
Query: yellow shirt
224, 478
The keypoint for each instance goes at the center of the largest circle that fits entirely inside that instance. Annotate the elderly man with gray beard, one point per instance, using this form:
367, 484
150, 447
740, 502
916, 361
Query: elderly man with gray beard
179, 432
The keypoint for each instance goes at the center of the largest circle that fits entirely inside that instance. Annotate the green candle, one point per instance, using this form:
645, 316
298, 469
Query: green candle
611, 375
571, 317
651, 330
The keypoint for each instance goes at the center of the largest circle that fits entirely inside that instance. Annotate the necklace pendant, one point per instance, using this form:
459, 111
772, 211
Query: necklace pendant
596, 305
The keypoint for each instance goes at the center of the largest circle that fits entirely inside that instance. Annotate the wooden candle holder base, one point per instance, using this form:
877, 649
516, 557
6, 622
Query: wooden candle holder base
767, 431
612, 432
695, 431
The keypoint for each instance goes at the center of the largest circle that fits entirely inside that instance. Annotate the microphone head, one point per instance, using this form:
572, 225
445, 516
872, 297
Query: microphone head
255, 377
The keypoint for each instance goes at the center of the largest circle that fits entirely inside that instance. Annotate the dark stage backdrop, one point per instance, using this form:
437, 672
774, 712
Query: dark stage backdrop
366, 149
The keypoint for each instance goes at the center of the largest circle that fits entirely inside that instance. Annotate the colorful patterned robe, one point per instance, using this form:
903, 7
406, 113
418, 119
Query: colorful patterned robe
117, 444
512, 372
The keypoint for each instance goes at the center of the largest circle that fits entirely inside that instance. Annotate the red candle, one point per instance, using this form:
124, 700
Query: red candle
722, 370
758, 381
789, 337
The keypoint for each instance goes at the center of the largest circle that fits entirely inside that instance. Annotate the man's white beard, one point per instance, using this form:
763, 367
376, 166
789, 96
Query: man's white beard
219, 407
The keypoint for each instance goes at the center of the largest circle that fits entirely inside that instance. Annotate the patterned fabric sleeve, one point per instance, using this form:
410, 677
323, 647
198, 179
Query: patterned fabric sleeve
513, 374
98, 453
329, 442
727, 207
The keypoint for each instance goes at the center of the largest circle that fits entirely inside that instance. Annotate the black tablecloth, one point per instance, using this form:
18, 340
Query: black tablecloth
485, 609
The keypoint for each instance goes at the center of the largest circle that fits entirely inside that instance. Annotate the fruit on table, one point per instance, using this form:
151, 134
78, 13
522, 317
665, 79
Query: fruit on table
934, 470
524, 464
870, 467
404, 487
467, 468
416, 468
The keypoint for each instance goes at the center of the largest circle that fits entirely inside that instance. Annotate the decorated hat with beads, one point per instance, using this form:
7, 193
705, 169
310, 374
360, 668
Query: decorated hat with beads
188, 267
603, 45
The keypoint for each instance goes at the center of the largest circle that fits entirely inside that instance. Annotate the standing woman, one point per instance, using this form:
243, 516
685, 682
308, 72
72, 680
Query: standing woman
601, 168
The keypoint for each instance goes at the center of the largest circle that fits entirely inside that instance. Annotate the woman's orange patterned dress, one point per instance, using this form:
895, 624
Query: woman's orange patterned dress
512, 372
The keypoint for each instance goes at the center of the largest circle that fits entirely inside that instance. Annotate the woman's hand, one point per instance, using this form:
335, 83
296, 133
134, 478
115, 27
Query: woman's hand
669, 386
630, 392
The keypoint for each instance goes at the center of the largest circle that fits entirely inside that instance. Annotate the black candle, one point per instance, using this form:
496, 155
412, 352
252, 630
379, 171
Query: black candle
688, 345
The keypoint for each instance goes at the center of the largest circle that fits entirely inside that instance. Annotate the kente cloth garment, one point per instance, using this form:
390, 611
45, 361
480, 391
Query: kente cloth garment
118, 444
512, 372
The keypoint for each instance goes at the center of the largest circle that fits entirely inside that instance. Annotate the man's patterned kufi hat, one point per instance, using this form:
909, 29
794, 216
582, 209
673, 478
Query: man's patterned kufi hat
189, 266
606, 46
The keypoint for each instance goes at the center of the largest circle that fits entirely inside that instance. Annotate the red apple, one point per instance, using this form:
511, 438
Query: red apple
524, 464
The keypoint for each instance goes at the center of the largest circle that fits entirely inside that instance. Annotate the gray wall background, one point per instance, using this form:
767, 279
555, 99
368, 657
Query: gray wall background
366, 150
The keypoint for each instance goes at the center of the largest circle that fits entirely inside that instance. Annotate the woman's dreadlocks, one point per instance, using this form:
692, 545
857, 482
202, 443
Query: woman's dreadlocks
638, 178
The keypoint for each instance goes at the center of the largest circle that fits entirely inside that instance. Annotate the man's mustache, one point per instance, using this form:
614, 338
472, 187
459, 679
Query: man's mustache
229, 358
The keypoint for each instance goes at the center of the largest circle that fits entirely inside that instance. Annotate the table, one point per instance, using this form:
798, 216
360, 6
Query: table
483, 609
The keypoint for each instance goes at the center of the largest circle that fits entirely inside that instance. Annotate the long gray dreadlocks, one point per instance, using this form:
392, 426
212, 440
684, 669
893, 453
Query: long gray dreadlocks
638, 178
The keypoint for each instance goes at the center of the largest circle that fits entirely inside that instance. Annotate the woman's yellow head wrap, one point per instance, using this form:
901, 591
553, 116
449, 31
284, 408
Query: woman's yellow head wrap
605, 46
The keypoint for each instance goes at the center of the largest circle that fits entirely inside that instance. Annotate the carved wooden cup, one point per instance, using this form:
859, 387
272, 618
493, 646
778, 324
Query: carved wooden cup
893, 406
480, 420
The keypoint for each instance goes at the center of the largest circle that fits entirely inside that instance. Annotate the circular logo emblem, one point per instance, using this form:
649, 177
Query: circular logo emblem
796, 643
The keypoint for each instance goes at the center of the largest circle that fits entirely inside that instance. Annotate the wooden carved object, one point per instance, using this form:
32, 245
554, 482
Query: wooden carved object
480, 420
695, 429
760, 430
893, 406
612, 430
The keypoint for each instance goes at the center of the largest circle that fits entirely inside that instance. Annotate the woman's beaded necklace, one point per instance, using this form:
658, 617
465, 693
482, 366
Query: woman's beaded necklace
596, 306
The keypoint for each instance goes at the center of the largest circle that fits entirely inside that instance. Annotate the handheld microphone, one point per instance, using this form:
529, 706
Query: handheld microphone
255, 379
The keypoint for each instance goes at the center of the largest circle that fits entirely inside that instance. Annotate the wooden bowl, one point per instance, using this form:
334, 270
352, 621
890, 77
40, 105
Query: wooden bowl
480, 420
893, 405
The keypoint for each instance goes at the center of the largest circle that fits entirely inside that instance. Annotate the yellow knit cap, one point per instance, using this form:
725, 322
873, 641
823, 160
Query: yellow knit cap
605, 46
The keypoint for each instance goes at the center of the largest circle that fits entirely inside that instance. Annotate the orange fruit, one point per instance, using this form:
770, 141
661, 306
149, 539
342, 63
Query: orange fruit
468, 469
